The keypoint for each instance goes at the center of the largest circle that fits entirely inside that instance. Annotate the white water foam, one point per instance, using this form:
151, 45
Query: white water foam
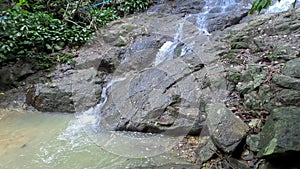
281, 6
75, 135
166, 52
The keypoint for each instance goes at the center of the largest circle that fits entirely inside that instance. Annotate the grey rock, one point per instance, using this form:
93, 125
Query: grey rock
225, 129
260, 100
251, 78
234, 75
12, 74
13, 98
273, 38
173, 166
292, 68
76, 92
254, 72
252, 101
288, 97
100, 57
141, 54
253, 142
286, 81
177, 6
105, 50
281, 133
156, 100
217, 21
245, 87
236, 163
206, 150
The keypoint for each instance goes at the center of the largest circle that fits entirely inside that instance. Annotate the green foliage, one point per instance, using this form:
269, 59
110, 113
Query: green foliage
104, 16
26, 34
259, 5
38, 29
133, 6
22, 3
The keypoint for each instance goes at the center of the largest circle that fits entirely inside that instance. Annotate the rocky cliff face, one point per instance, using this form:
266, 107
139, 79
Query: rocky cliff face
236, 89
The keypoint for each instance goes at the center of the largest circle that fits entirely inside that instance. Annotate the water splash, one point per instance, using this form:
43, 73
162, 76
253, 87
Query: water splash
166, 52
281, 6
76, 134
212, 6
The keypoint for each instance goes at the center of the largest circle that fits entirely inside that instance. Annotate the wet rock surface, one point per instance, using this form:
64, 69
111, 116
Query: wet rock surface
155, 101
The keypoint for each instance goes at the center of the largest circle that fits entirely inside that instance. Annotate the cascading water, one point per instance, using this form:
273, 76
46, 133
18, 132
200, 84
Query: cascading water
166, 52
89, 119
281, 6
218, 6
140, 145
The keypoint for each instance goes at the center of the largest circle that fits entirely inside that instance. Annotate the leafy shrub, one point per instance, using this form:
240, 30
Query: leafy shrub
41, 29
104, 16
133, 6
26, 34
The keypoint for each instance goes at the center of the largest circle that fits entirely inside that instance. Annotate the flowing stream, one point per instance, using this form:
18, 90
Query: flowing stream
33, 140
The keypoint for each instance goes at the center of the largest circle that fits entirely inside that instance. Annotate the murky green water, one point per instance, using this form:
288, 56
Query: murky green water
32, 140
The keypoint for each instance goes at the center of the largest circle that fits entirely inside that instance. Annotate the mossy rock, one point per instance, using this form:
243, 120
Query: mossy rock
281, 133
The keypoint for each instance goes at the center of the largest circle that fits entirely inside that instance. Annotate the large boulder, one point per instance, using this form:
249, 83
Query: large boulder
218, 20
281, 133
286, 81
141, 53
291, 68
13, 98
77, 92
13, 73
225, 129
160, 99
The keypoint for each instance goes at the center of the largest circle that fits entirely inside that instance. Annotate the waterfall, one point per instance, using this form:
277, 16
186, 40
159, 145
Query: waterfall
90, 118
210, 7
166, 52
